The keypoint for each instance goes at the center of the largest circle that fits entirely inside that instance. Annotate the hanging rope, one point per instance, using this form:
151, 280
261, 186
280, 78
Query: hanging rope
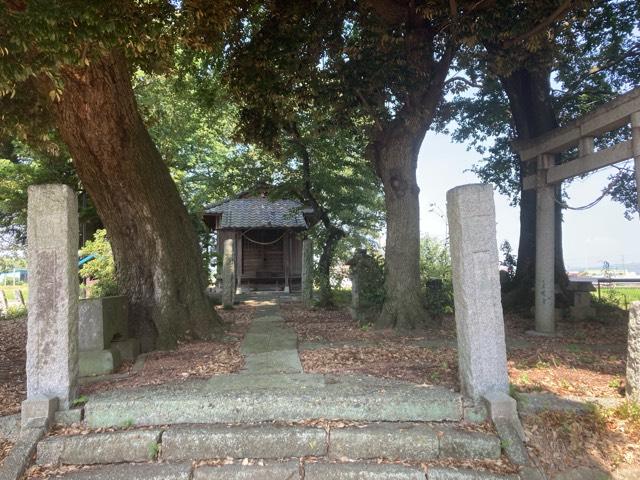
244, 234
605, 192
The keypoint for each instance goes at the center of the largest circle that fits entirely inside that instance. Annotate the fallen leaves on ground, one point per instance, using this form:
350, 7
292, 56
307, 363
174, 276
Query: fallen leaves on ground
13, 356
5, 448
393, 360
603, 438
336, 325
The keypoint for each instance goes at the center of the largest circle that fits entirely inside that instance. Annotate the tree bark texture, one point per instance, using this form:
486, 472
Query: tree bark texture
403, 306
533, 114
155, 247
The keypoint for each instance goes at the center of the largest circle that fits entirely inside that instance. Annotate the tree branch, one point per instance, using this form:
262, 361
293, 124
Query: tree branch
559, 12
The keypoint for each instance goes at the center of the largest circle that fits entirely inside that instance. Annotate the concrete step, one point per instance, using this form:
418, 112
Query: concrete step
250, 398
288, 470
183, 443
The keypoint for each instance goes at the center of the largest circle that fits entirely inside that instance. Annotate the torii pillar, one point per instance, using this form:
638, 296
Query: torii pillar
545, 294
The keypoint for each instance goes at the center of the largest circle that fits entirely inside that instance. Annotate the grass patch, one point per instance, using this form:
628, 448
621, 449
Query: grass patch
619, 296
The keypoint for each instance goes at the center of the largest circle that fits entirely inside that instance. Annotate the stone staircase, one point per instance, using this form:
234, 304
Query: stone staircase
277, 451
274, 422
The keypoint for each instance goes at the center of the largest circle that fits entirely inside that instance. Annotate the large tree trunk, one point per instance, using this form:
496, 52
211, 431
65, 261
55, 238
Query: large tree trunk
325, 294
529, 93
157, 256
397, 158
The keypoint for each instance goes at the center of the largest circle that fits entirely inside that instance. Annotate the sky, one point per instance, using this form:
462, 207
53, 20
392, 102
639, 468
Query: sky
590, 236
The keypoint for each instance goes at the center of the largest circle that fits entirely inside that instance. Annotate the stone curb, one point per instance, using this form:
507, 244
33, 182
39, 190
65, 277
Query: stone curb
274, 471
263, 441
411, 442
360, 471
21, 454
95, 448
442, 473
149, 471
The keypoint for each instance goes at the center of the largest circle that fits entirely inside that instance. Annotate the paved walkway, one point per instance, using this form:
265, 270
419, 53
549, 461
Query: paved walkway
270, 346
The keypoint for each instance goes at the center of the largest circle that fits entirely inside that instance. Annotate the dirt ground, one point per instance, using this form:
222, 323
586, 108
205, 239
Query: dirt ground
189, 360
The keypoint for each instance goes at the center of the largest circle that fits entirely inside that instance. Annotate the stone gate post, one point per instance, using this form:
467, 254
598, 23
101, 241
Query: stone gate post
52, 338
633, 353
482, 354
228, 273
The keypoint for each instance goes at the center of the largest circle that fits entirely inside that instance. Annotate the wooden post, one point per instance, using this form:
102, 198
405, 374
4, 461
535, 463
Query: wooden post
286, 260
228, 272
238, 246
545, 250
635, 141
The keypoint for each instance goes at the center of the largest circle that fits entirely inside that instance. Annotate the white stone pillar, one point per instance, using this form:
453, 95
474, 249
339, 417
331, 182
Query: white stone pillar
545, 252
228, 273
307, 272
635, 141
52, 326
482, 353
633, 353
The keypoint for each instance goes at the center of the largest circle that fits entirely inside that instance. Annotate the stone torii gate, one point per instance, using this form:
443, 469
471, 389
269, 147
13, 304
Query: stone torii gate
543, 150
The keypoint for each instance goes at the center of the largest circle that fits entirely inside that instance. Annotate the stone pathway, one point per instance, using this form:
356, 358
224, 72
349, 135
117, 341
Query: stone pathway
270, 346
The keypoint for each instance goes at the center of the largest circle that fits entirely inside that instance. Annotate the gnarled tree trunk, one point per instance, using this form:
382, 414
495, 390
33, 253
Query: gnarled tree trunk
156, 251
397, 159
529, 95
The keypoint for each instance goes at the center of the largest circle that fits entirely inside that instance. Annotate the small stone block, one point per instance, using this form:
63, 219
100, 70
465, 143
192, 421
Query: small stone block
38, 409
21, 455
274, 471
392, 441
360, 471
98, 362
501, 405
463, 444
128, 349
95, 448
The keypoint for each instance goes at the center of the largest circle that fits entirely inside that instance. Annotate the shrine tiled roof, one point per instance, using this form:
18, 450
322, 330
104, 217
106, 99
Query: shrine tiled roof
259, 212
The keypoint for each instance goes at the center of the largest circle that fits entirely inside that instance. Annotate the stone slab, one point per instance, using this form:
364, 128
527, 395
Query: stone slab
128, 349
360, 471
443, 473
346, 398
264, 441
152, 471
99, 448
21, 454
583, 473
69, 417
98, 362
393, 441
462, 444
52, 325
101, 321
10, 427
283, 361
38, 408
274, 471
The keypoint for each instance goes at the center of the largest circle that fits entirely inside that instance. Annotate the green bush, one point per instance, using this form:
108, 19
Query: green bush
435, 272
101, 271
13, 312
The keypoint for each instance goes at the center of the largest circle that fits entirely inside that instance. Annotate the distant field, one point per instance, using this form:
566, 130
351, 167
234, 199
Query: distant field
622, 294
10, 291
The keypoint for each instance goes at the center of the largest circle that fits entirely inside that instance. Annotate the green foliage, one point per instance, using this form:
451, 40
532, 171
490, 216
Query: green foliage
435, 272
26, 167
101, 270
14, 312
509, 262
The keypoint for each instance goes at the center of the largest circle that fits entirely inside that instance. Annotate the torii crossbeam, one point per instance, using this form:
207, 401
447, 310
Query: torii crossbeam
624, 110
